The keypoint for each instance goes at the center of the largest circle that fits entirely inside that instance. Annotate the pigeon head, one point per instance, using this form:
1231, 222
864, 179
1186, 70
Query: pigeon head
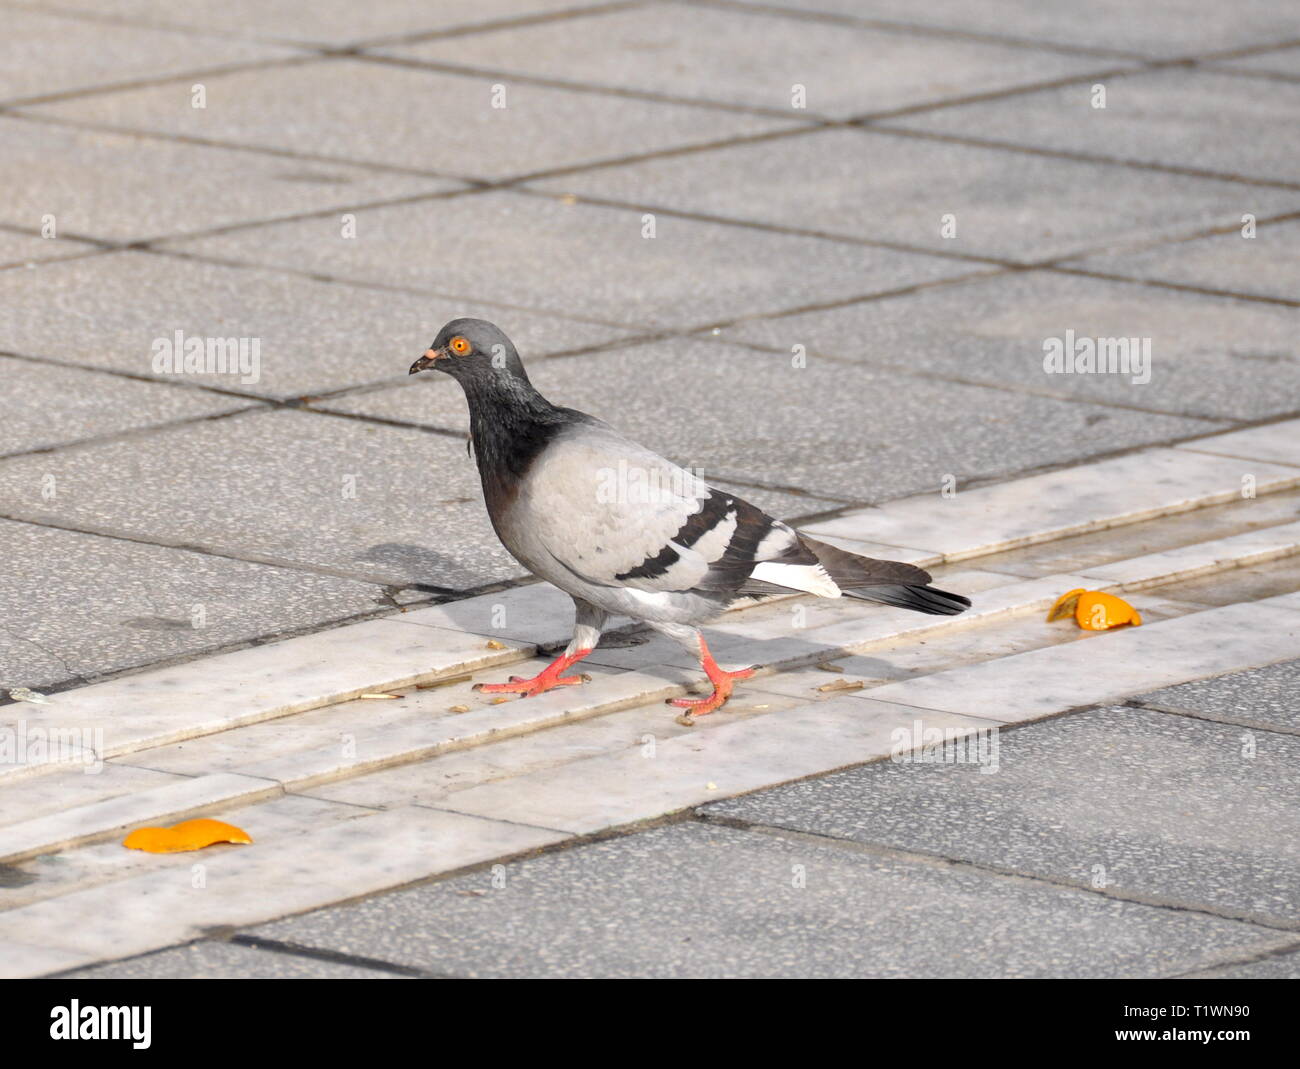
473, 351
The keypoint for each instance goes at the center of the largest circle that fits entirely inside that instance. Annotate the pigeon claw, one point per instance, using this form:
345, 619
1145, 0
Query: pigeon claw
548, 678
722, 681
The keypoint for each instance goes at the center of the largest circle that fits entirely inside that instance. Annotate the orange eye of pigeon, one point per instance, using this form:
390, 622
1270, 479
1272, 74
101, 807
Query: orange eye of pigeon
459, 346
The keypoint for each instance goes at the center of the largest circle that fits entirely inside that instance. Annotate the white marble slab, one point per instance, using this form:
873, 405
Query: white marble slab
1203, 558
271, 823
445, 775
1275, 442
419, 739
1124, 489
1109, 666
113, 816
249, 885
27, 959
32, 762
65, 788
215, 693
707, 764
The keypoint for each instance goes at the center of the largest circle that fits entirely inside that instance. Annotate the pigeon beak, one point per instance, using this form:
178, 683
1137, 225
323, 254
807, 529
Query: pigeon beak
427, 360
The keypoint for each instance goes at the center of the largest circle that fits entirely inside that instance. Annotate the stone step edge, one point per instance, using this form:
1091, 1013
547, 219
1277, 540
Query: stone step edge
750, 730
495, 723
412, 674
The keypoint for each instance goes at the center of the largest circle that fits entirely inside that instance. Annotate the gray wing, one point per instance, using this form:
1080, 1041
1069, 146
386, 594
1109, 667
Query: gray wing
615, 514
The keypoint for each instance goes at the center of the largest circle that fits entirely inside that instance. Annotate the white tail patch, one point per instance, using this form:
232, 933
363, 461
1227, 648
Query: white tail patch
810, 577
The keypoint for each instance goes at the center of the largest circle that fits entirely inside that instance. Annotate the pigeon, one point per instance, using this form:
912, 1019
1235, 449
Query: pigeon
625, 532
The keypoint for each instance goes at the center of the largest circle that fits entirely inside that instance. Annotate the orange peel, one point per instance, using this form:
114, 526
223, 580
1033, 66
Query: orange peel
1094, 610
188, 835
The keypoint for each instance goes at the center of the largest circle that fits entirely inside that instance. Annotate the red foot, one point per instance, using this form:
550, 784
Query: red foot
548, 678
722, 683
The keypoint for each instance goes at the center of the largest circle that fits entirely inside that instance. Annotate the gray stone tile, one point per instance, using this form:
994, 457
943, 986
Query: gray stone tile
276, 486
313, 336
331, 22
995, 331
225, 961
1284, 61
584, 383
1153, 804
119, 187
1178, 117
56, 404
690, 900
848, 431
582, 260
1263, 266
18, 251
674, 50
1266, 697
43, 53
1171, 28
884, 186
361, 111
1280, 967
76, 606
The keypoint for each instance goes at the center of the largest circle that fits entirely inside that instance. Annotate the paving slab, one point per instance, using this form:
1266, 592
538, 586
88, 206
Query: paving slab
1039, 508
1111, 665
332, 22
226, 961
57, 405
44, 53
189, 796
767, 54
1178, 117
271, 823
1134, 802
250, 885
312, 336
1261, 697
1265, 544
355, 737
248, 686
630, 786
359, 111
64, 621
1284, 61
434, 782
1262, 266
597, 264
669, 394
1277, 442
20, 251
1249, 583
692, 900
1176, 350
120, 187
1278, 967
881, 185
1081, 553
370, 502
1174, 28
73, 787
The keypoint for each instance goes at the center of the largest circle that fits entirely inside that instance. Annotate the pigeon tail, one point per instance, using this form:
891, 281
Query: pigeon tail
887, 581
926, 599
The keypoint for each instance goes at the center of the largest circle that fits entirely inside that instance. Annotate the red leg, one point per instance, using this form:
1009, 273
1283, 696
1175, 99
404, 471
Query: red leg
722, 682
546, 679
